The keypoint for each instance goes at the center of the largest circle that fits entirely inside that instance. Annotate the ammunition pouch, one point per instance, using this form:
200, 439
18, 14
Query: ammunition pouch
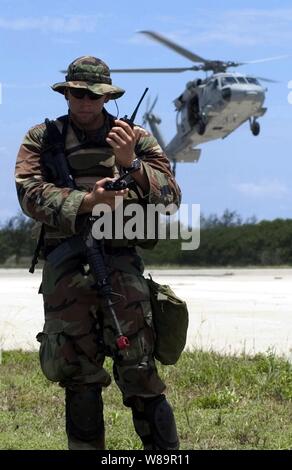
170, 320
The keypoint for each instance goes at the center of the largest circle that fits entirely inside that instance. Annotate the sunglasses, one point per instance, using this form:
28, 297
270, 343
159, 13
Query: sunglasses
80, 93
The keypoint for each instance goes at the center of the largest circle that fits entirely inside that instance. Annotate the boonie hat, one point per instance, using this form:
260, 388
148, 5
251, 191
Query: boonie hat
92, 74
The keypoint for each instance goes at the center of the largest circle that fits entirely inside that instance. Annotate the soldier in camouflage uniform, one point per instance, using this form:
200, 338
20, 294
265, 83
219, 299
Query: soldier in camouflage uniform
78, 332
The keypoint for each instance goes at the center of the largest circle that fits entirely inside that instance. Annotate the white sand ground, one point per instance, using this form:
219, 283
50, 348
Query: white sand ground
231, 310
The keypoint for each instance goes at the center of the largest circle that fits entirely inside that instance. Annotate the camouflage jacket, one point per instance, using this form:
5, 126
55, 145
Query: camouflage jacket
57, 207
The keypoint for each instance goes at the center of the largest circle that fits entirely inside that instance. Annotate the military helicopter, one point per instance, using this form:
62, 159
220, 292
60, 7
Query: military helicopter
209, 108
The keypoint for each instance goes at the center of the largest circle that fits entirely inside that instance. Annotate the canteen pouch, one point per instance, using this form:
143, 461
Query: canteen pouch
170, 321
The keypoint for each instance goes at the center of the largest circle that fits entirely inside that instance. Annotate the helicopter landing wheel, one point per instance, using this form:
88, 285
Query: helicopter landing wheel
255, 128
201, 127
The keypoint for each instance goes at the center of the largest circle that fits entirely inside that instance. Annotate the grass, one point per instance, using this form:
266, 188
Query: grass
220, 402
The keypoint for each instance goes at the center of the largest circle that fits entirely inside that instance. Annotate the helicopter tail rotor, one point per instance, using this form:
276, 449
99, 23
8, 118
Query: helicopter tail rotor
153, 104
148, 116
152, 120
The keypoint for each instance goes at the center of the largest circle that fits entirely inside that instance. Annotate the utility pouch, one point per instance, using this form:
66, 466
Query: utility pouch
170, 320
58, 358
70, 248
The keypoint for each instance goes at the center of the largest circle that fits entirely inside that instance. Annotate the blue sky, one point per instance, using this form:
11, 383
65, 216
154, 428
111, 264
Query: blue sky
243, 173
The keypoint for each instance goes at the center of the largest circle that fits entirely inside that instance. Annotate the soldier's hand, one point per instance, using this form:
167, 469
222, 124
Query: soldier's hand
122, 138
99, 195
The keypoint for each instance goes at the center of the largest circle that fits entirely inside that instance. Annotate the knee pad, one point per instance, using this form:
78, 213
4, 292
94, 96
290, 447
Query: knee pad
155, 424
84, 412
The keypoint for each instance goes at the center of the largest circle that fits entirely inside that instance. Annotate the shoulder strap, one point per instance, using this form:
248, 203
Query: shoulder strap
54, 140
53, 159
53, 136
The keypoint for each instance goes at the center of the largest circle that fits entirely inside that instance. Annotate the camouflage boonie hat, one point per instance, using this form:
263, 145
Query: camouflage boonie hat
92, 74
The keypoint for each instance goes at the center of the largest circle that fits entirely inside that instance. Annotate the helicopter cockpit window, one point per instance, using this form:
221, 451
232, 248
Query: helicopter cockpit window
241, 80
215, 84
252, 80
227, 81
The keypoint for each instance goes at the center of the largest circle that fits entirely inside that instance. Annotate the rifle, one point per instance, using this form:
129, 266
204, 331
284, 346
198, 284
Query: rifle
85, 245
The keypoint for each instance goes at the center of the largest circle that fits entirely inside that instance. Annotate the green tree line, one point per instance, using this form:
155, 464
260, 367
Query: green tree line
16, 239
225, 240
230, 241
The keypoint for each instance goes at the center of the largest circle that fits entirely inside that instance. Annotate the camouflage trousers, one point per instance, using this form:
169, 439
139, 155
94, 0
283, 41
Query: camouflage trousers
79, 331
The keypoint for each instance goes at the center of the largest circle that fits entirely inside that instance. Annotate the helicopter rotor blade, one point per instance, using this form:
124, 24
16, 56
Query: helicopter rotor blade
262, 79
207, 65
175, 47
268, 59
156, 70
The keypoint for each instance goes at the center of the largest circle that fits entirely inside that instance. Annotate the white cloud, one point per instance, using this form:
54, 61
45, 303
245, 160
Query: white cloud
271, 189
252, 26
52, 24
247, 27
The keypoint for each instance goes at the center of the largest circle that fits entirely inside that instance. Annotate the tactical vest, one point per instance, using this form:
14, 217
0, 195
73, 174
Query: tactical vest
90, 160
